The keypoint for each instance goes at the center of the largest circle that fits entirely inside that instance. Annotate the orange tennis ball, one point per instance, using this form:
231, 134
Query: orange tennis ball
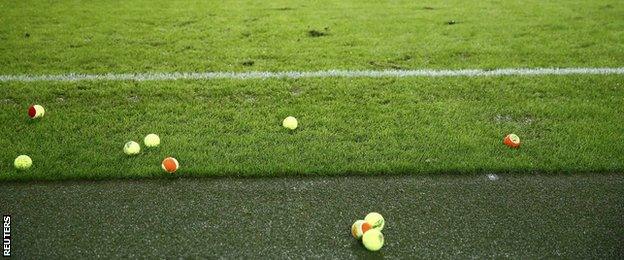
512, 141
359, 228
36, 111
170, 164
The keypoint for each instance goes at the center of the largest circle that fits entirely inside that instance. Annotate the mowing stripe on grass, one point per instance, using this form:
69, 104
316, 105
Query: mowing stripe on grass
312, 74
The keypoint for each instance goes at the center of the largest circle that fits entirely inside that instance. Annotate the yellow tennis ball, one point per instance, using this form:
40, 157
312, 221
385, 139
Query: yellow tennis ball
373, 240
151, 140
22, 162
132, 148
375, 220
290, 123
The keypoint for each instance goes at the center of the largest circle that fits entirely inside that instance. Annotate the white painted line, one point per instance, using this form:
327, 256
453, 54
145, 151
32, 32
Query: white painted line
313, 74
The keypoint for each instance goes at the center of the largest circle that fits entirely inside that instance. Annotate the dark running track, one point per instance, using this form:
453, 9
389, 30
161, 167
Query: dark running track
445, 216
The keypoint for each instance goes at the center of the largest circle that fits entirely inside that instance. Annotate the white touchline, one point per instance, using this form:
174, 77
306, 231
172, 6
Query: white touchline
160, 76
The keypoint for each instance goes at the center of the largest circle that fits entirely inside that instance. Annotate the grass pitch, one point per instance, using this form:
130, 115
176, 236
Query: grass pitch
347, 126
365, 126
137, 36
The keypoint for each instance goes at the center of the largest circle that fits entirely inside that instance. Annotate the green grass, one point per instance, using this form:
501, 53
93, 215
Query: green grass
347, 126
364, 126
131, 36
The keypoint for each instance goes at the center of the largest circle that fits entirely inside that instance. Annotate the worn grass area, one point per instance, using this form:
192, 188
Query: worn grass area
367, 126
132, 36
364, 126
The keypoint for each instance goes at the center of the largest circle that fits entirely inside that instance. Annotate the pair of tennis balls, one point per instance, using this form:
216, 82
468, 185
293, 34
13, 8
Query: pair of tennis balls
133, 148
369, 230
23, 161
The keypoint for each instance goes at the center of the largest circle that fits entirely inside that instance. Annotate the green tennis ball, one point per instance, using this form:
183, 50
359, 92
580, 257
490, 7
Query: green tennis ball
375, 220
151, 140
290, 123
373, 240
22, 162
132, 148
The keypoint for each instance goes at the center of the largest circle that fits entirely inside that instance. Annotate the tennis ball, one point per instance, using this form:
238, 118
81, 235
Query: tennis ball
375, 220
132, 148
290, 123
36, 111
512, 141
170, 164
151, 140
359, 228
22, 162
373, 240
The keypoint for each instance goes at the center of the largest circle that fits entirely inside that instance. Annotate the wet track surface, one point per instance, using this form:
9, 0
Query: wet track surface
571, 216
